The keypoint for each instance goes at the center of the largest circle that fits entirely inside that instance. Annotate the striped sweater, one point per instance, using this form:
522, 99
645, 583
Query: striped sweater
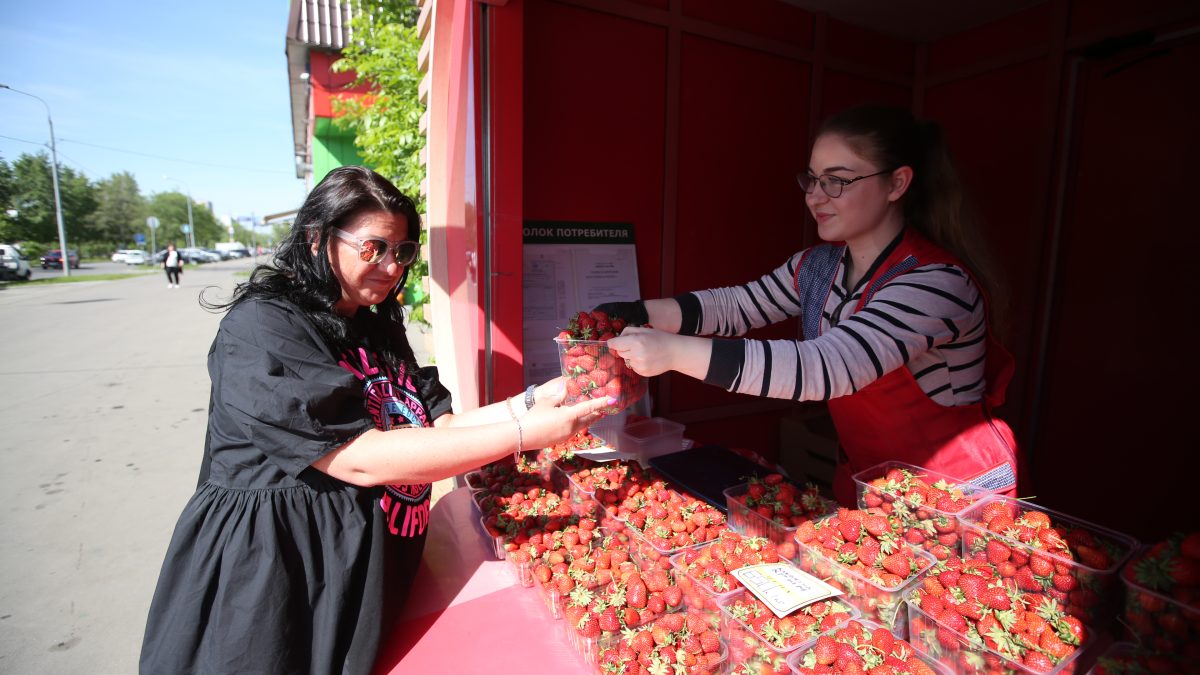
930, 319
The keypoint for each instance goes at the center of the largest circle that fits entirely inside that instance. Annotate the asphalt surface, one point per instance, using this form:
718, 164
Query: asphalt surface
103, 406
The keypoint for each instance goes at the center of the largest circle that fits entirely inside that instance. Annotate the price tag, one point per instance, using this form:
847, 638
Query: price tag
783, 587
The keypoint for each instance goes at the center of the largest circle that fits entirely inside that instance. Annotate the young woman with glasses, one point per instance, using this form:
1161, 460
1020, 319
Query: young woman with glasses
893, 310
324, 436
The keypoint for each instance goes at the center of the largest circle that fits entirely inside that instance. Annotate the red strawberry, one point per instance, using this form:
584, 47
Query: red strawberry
898, 564
995, 598
635, 592
589, 627
825, 651
608, 620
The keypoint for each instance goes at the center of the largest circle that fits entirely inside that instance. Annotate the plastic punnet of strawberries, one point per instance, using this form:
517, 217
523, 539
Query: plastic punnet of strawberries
1162, 599
862, 553
664, 521
1127, 658
968, 613
772, 506
1071, 563
712, 566
926, 503
785, 633
681, 643
591, 371
860, 647
632, 599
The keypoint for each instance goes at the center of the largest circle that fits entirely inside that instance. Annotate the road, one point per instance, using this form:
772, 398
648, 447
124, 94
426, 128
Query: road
103, 408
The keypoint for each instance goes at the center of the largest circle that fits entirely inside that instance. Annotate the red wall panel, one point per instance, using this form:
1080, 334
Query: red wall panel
594, 124
769, 18
1099, 17
743, 136
884, 53
1031, 29
1122, 382
992, 123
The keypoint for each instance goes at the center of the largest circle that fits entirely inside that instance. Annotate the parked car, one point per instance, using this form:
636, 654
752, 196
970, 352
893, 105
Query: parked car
198, 255
120, 254
136, 257
54, 259
12, 264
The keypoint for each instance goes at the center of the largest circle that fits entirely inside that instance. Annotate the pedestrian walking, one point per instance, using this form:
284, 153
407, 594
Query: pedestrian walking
173, 264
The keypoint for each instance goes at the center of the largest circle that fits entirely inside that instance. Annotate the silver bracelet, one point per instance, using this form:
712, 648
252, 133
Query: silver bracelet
520, 438
529, 396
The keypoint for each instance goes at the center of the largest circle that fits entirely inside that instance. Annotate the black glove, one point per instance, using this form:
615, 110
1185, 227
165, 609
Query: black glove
633, 312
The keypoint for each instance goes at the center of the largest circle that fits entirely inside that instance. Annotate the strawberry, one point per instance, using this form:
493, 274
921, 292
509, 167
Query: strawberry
826, 650
589, 627
898, 564
636, 592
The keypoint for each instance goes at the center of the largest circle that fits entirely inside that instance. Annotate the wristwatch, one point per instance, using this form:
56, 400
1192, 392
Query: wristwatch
529, 396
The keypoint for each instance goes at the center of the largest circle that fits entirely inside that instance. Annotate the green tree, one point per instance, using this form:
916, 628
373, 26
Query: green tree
32, 197
79, 201
8, 186
121, 210
387, 124
171, 210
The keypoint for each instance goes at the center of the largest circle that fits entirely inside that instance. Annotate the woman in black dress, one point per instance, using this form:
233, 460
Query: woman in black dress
323, 438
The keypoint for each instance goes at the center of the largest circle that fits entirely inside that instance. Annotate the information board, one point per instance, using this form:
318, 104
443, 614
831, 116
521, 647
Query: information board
570, 267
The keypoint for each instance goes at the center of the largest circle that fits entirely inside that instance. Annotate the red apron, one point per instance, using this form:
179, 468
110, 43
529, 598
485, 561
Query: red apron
893, 419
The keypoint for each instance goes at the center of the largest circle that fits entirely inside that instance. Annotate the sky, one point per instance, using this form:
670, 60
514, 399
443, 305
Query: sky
187, 97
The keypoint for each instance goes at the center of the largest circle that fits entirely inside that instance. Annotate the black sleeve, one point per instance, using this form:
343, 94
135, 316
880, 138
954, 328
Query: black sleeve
434, 394
276, 379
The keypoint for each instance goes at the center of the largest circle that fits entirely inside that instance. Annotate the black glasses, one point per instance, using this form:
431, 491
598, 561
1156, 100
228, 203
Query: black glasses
830, 184
373, 249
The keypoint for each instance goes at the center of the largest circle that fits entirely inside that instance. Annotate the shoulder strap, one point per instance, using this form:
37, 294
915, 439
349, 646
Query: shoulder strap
814, 278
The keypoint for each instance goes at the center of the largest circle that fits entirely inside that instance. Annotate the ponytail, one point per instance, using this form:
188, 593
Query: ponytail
936, 203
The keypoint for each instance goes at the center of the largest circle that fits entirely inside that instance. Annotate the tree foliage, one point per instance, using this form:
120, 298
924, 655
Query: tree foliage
120, 210
386, 124
383, 54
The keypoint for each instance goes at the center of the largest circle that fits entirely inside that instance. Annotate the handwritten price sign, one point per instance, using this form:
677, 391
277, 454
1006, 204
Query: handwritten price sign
782, 587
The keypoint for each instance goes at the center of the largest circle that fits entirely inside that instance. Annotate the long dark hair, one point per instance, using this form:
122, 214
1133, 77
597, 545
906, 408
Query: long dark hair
308, 282
936, 203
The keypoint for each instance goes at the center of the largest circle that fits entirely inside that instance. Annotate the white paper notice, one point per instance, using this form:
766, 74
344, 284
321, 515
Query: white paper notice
570, 268
783, 587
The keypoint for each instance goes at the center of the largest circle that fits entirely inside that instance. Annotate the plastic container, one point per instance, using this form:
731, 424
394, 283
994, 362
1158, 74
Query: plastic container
1159, 621
696, 593
721, 665
796, 659
750, 523
933, 525
744, 640
954, 651
647, 555
1095, 595
593, 372
877, 602
1128, 658
497, 542
650, 438
522, 571
474, 481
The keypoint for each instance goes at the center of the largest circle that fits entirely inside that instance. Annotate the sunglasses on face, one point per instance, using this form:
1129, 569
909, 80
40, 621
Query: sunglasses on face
373, 250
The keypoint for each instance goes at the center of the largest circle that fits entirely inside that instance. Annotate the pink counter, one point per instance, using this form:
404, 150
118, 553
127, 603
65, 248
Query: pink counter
467, 614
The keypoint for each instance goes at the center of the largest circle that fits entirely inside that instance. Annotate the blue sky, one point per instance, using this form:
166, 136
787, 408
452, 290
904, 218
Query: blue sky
194, 91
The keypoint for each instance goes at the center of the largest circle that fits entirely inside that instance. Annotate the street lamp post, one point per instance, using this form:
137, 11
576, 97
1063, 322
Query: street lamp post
62, 232
191, 225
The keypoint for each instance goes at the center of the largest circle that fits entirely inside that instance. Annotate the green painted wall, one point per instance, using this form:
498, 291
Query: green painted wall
332, 147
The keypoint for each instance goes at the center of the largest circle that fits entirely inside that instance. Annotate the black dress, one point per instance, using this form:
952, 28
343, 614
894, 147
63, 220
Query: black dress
275, 567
